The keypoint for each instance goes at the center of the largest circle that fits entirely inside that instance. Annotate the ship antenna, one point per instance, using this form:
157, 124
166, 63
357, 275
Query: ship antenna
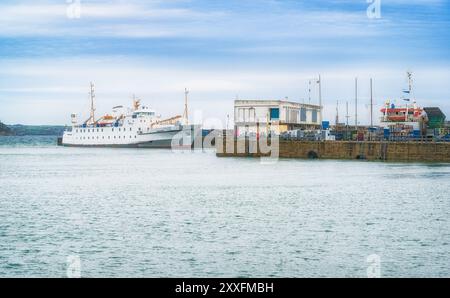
92, 95
185, 114
409, 74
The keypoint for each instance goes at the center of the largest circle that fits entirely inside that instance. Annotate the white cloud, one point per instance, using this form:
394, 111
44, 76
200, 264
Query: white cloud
139, 20
47, 91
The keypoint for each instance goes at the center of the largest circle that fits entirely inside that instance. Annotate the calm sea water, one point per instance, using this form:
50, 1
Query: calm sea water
139, 212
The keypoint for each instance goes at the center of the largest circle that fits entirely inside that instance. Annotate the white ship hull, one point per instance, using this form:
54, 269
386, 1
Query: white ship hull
166, 137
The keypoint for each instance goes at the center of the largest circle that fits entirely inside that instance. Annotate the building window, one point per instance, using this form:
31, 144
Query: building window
314, 115
294, 116
241, 115
274, 113
303, 114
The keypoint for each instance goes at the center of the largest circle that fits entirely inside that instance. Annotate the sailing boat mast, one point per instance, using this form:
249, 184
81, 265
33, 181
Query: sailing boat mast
320, 99
356, 103
371, 103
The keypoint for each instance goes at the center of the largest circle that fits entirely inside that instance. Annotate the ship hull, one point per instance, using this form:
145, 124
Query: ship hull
172, 137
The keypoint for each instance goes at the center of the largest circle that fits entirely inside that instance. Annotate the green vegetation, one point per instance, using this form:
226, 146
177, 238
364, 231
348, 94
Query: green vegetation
36, 130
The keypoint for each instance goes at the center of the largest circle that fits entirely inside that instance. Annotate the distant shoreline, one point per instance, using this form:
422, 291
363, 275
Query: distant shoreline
31, 130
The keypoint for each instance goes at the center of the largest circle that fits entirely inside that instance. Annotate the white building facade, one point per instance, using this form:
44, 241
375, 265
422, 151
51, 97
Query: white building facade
261, 117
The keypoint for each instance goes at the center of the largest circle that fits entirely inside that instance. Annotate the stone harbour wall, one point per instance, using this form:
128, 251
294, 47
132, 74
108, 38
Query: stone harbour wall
365, 150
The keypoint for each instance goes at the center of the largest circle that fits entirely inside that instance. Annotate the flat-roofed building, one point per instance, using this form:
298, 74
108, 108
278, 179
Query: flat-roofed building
276, 116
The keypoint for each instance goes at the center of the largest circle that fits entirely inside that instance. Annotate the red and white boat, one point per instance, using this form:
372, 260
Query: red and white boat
408, 115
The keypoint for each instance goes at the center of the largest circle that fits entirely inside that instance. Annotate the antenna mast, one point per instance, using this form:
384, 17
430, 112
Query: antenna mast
185, 114
337, 113
309, 91
346, 116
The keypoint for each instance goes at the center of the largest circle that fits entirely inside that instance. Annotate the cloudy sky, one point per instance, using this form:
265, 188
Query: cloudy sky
220, 50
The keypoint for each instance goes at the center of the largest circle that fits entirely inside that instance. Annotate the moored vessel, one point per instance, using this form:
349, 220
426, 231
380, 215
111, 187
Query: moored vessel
138, 126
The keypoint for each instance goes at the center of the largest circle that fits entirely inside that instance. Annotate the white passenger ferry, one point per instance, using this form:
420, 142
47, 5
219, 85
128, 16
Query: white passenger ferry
138, 126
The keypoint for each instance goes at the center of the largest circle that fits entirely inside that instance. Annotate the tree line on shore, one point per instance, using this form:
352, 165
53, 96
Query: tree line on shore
36, 130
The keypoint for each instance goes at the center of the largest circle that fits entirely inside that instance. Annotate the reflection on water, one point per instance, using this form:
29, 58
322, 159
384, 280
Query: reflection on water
134, 212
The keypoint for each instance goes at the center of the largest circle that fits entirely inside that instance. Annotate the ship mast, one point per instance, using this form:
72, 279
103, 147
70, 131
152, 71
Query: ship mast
409, 75
136, 102
92, 96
